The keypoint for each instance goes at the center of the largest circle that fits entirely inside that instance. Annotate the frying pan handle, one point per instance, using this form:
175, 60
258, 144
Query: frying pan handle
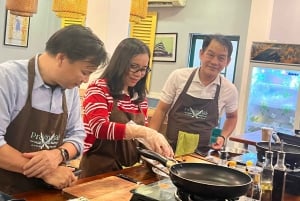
153, 155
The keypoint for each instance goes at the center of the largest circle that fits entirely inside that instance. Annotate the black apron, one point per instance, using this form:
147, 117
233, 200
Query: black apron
193, 115
32, 130
110, 155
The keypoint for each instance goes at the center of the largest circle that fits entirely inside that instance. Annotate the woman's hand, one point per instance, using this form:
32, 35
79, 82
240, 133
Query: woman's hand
150, 138
159, 144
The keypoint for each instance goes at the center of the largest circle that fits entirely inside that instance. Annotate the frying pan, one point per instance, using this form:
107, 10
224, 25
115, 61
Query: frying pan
202, 179
292, 152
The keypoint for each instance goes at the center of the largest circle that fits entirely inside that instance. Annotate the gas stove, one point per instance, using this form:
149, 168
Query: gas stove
164, 190
184, 196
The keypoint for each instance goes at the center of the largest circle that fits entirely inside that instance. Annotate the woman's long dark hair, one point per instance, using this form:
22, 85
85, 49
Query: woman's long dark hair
118, 69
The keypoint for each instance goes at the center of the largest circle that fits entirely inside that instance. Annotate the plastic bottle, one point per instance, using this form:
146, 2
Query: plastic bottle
267, 177
279, 177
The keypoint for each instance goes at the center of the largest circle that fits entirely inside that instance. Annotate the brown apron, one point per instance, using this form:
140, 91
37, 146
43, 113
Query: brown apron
193, 115
32, 130
110, 155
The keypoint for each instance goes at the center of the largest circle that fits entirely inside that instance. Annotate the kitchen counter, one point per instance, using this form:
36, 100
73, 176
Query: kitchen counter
141, 173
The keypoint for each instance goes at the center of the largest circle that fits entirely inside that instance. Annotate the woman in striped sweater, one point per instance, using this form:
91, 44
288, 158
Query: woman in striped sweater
115, 113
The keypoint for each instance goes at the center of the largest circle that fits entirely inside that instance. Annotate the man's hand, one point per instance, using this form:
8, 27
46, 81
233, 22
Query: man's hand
61, 177
41, 163
219, 143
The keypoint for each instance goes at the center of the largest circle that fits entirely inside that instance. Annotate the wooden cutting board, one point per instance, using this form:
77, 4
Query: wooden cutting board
107, 189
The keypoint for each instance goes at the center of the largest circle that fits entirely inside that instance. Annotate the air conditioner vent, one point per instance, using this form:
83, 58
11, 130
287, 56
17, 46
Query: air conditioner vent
166, 3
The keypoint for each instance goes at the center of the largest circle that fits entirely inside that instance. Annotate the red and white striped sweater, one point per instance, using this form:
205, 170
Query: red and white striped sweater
97, 106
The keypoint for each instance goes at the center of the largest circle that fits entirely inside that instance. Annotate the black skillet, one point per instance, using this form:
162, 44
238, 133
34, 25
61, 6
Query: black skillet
202, 179
292, 152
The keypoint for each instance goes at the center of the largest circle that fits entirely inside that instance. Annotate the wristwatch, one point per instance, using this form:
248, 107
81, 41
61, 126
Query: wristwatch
222, 137
65, 154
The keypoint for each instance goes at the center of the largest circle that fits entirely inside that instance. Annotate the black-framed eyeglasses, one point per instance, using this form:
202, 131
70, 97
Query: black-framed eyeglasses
134, 68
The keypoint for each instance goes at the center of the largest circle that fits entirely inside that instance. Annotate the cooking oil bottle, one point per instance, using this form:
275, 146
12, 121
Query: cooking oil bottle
267, 177
279, 177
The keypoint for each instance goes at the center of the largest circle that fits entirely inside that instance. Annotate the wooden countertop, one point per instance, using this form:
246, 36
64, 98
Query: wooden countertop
141, 173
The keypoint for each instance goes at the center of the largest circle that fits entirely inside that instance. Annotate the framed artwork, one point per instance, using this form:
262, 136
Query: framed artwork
165, 47
16, 30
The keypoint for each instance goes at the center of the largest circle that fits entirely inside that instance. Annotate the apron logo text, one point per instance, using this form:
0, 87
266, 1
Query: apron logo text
44, 141
195, 113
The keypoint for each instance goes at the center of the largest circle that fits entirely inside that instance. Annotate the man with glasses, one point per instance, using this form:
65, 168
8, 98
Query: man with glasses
194, 99
115, 113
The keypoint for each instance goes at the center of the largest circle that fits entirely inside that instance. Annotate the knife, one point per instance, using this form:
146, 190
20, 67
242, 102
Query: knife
128, 178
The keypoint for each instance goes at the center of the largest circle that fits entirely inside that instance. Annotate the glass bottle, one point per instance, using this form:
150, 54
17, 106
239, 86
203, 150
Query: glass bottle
255, 190
267, 177
223, 157
279, 177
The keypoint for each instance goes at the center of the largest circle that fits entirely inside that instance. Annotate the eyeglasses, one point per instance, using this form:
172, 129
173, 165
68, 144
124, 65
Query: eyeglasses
134, 68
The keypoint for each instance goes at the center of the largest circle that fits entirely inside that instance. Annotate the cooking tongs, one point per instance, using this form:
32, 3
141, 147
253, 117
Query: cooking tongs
150, 154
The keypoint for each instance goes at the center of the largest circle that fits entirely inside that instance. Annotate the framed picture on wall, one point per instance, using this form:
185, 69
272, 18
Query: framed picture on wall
165, 47
16, 30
